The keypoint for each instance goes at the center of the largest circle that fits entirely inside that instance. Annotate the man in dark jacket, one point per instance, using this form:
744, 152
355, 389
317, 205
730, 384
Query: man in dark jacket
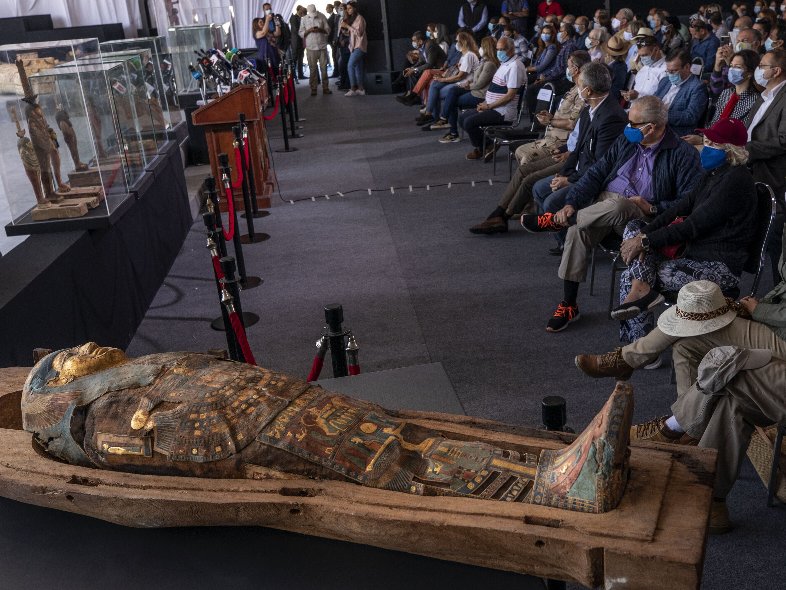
684, 94
298, 48
474, 15
643, 173
600, 124
426, 55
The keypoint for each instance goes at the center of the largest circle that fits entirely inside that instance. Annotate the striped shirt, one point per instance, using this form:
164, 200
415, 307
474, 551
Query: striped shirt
510, 75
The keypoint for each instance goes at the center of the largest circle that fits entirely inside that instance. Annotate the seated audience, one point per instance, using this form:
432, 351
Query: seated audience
652, 69
545, 52
440, 85
426, 55
777, 36
672, 39
683, 93
669, 170
711, 242
468, 94
501, 102
749, 40
420, 92
539, 158
473, 15
582, 28
517, 13
555, 73
596, 41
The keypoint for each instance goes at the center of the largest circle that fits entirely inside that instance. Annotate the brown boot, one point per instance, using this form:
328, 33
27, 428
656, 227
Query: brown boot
656, 431
609, 364
590, 474
474, 155
719, 517
495, 225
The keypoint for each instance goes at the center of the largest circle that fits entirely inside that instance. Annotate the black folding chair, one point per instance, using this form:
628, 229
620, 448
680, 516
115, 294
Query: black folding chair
697, 66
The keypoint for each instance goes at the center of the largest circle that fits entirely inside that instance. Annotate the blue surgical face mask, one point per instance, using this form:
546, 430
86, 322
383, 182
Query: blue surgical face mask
491, 26
736, 75
675, 79
712, 158
651, 21
568, 75
646, 60
633, 134
428, 34
768, 44
758, 75
502, 56
546, 37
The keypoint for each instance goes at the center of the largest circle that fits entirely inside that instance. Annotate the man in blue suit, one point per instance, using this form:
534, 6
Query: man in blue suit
684, 94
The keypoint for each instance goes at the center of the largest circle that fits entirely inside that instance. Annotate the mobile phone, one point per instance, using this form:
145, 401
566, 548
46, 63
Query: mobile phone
725, 39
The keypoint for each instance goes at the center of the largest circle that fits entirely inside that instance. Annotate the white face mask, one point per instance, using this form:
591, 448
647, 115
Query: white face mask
615, 23
627, 35
268, 11
481, 52
588, 43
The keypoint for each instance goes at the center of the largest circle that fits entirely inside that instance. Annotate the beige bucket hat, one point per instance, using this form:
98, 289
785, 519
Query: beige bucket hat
701, 308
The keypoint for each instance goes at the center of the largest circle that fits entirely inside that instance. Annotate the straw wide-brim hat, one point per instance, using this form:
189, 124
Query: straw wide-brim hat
617, 46
701, 308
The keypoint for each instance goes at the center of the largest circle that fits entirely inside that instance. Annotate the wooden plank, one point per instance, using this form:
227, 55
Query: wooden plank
657, 533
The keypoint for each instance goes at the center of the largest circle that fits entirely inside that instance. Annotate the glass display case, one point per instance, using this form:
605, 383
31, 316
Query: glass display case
71, 145
148, 114
181, 13
159, 74
185, 42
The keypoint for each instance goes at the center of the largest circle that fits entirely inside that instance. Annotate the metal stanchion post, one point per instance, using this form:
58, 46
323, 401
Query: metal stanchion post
334, 317
223, 320
282, 109
212, 195
252, 237
233, 286
291, 111
252, 185
246, 281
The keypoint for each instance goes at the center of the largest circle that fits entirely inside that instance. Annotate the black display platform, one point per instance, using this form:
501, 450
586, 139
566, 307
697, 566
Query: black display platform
48, 548
65, 288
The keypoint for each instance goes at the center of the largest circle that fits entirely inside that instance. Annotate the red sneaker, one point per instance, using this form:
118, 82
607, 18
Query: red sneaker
563, 315
538, 223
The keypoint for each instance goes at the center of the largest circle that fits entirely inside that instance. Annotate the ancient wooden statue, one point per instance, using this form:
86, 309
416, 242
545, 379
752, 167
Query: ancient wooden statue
63, 121
192, 414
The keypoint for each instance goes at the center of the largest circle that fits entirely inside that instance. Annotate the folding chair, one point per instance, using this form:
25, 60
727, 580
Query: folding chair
776, 456
504, 135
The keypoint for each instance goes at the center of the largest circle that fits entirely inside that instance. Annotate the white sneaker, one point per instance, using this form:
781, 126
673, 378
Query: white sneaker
350, 93
656, 364
360, 92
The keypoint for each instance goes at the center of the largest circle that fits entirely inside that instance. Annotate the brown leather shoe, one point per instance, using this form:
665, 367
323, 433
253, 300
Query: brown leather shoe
719, 517
327, 91
495, 225
609, 364
656, 431
474, 155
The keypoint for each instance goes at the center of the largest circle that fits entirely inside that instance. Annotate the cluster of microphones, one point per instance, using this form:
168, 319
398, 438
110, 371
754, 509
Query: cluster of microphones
224, 69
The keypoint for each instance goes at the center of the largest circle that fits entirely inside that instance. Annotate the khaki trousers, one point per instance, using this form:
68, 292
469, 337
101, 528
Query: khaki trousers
611, 212
688, 352
535, 150
517, 197
725, 420
313, 56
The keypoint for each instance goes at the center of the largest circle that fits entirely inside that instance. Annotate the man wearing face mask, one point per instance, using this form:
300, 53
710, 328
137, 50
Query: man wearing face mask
474, 15
766, 125
429, 56
746, 39
653, 66
643, 173
500, 104
594, 43
582, 29
703, 43
621, 21
683, 93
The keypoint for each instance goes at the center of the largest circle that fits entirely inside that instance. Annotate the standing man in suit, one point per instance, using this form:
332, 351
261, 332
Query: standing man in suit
601, 122
766, 147
641, 175
298, 48
683, 93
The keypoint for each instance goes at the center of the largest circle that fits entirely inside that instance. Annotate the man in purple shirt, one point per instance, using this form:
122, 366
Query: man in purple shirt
644, 172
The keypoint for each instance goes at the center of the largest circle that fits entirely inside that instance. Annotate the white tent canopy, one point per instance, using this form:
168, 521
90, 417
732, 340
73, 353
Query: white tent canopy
72, 13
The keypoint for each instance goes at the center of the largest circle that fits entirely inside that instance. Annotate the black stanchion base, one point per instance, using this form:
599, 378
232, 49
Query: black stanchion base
256, 214
250, 283
296, 136
258, 237
285, 150
249, 319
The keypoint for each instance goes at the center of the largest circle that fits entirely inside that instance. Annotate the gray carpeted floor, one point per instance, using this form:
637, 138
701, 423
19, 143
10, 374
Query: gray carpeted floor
417, 288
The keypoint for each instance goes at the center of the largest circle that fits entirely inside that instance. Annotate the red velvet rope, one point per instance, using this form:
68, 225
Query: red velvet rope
240, 334
316, 369
275, 111
239, 168
291, 85
285, 89
217, 268
231, 214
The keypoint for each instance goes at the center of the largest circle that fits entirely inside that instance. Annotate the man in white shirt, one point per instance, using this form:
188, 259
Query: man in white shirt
653, 66
314, 30
767, 136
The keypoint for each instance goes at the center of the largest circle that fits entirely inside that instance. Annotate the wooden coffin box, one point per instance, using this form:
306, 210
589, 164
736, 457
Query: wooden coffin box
657, 533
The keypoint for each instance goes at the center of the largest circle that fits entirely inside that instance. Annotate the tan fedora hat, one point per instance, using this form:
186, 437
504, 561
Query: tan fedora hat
644, 33
701, 308
617, 46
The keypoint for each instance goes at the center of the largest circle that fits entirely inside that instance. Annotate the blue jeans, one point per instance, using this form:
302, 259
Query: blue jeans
356, 68
549, 201
437, 91
457, 98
